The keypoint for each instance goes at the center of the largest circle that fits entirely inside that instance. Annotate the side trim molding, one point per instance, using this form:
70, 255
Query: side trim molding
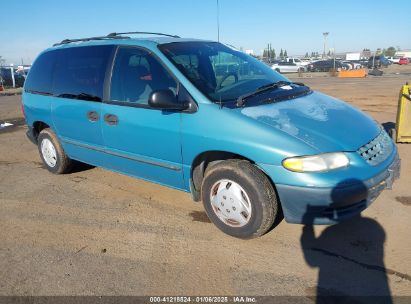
119, 154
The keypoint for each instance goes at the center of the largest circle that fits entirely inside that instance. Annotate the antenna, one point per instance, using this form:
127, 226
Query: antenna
218, 21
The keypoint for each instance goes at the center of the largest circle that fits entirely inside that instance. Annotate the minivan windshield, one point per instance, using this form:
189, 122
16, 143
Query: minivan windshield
218, 71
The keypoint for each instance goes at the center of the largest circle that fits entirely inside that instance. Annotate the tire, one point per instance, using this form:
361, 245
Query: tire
221, 182
393, 134
277, 70
52, 153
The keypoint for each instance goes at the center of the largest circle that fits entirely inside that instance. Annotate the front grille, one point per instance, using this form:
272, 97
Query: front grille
377, 150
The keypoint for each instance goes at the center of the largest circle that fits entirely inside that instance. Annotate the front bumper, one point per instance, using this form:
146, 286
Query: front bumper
311, 205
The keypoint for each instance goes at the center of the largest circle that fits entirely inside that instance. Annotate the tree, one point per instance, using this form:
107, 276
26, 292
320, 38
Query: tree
390, 51
329, 53
2, 61
281, 54
306, 55
285, 54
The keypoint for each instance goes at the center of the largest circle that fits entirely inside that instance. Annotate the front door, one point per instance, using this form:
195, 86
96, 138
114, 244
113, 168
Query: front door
139, 140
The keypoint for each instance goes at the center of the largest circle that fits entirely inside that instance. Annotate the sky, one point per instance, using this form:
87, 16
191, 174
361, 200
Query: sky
30, 26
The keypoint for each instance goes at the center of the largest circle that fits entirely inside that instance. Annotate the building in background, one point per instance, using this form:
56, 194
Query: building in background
404, 53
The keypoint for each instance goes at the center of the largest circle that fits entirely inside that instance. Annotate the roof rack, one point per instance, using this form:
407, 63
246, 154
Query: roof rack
149, 33
66, 41
112, 36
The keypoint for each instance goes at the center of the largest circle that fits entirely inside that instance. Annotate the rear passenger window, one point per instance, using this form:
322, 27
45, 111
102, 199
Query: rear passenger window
136, 74
39, 80
80, 72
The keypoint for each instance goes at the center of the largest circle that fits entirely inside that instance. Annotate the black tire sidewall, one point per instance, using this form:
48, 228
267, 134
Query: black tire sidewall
57, 168
254, 192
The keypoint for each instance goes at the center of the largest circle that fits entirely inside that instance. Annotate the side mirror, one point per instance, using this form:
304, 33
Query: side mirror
165, 100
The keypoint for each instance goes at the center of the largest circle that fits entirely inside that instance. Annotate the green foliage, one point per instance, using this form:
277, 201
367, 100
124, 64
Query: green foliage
390, 51
269, 53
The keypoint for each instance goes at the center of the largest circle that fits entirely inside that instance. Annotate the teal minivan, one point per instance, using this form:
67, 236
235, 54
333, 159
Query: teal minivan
205, 118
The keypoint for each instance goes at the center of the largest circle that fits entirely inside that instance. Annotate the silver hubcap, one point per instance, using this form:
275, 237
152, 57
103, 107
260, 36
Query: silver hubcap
49, 152
230, 203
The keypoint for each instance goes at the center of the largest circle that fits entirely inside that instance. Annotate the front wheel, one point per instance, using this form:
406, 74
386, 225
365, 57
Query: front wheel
239, 199
52, 153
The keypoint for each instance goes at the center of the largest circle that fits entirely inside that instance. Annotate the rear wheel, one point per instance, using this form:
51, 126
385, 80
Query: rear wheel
52, 153
239, 199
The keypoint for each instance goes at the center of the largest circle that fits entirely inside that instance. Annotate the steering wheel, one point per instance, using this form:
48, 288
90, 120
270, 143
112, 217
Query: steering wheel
225, 76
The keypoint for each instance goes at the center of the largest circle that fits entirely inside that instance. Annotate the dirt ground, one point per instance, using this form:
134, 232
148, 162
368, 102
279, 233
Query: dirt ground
95, 232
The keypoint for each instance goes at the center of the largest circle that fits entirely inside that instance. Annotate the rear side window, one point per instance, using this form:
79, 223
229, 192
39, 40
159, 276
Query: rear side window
80, 72
39, 80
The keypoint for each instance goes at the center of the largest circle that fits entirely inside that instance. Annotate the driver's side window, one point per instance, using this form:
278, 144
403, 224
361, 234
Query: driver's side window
136, 74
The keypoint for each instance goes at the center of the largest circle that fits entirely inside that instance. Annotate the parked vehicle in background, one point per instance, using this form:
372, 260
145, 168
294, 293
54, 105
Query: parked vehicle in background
306, 61
363, 62
403, 61
394, 59
297, 61
270, 62
6, 74
288, 67
378, 62
352, 64
325, 66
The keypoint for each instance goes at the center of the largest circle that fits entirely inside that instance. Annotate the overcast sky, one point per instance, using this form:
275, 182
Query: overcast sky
28, 27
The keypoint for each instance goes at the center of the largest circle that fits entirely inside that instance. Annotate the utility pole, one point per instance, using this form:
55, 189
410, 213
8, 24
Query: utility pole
325, 34
218, 21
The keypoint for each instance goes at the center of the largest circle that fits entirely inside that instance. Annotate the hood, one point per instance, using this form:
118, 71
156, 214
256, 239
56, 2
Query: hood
321, 121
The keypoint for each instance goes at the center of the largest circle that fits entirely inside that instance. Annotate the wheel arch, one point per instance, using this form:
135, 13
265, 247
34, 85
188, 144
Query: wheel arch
204, 160
37, 127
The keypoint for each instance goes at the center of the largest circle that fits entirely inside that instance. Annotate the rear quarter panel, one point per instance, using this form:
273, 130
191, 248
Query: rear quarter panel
37, 108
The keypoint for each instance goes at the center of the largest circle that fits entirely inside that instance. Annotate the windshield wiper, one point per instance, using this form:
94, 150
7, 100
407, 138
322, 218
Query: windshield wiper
275, 85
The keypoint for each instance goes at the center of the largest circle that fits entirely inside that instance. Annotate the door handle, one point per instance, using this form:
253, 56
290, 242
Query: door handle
92, 116
111, 119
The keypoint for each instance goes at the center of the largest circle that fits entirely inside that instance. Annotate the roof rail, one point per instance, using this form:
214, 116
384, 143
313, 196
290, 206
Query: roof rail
66, 41
149, 33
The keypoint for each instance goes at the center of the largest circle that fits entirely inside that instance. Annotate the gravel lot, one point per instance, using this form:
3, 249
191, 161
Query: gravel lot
95, 232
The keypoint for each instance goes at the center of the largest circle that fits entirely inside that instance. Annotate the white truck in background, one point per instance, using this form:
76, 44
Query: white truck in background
296, 61
394, 59
353, 56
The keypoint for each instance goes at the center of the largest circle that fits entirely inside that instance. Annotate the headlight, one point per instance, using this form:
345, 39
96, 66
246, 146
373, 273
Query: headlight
316, 163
